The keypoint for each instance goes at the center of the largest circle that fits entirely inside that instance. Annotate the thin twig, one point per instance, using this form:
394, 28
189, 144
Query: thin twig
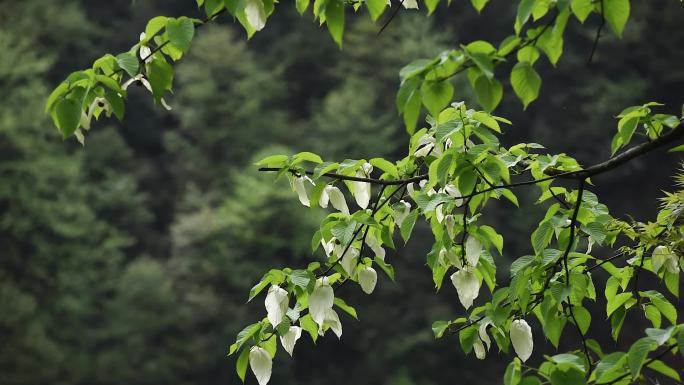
598, 35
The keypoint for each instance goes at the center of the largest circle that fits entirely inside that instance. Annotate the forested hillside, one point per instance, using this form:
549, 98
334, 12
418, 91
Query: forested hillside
128, 260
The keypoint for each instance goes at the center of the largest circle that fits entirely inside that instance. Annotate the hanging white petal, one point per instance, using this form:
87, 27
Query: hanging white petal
289, 339
401, 211
521, 338
140, 78
299, 186
367, 279
332, 320
144, 52
439, 213
256, 15
329, 246
261, 363
321, 300
324, 198
376, 246
482, 332
479, 349
276, 304
450, 222
658, 257
455, 193
362, 190
349, 259
410, 4
590, 244
337, 199
410, 189
467, 286
473, 251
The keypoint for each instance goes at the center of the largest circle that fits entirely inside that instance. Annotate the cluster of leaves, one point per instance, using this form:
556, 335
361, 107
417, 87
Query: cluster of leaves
464, 167
539, 28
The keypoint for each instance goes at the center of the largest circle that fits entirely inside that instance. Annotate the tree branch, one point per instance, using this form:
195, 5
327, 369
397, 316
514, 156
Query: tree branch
598, 35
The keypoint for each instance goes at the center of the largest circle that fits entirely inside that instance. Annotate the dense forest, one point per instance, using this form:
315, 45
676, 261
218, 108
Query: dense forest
128, 260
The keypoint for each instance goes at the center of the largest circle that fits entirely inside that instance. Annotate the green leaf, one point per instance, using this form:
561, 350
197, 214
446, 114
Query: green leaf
582, 9
439, 327
273, 161
488, 92
524, 11
67, 115
487, 120
542, 236
583, 318
525, 82
302, 5
301, 278
242, 364
617, 301
512, 374
155, 25
567, 376
160, 75
484, 63
128, 62
664, 369
616, 13
479, 4
431, 5
334, 18
307, 323
436, 95
339, 302
387, 268
407, 225
376, 8
181, 32
637, 354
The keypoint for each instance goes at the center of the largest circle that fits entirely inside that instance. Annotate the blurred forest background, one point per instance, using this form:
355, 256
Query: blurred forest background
129, 260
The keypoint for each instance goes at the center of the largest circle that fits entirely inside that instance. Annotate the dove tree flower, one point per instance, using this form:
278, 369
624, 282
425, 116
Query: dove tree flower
321, 300
521, 338
467, 285
140, 79
368, 278
362, 190
299, 184
276, 304
289, 339
335, 196
261, 363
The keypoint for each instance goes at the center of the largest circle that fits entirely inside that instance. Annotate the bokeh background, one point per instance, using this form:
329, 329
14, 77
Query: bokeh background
128, 261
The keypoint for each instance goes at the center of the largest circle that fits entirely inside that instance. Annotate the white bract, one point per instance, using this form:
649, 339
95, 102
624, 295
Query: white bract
329, 246
299, 186
362, 190
663, 256
332, 320
401, 211
335, 196
276, 304
454, 192
349, 259
450, 223
142, 80
376, 246
473, 251
410, 4
261, 363
289, 339
321, 300
368, 278
145, 53
256, 15
467, 286
521, 338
